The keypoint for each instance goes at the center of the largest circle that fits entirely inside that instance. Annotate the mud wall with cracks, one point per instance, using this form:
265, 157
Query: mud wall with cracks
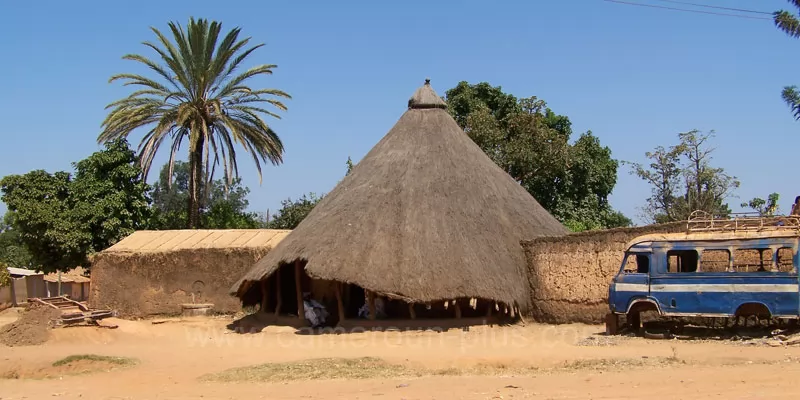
569, 275
144, 284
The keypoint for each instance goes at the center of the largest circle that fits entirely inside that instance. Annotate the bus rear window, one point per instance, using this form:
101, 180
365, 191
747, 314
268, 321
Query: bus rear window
784, 260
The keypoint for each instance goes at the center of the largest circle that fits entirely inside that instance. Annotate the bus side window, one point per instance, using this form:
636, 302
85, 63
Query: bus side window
716, 260
681, 261
750, 260
783, 259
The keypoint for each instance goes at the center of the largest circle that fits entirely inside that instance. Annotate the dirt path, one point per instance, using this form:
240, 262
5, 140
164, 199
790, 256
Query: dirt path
172, 356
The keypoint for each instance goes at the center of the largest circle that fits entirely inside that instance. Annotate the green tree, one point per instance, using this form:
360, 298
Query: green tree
789, 24
764, 208
199, 96
223, 206
109, 196
61, 220
532, 144
292, 212
12, 249
683, 180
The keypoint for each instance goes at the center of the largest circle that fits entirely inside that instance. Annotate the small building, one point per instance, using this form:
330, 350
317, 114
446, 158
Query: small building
156, 272
74, 283
25, 283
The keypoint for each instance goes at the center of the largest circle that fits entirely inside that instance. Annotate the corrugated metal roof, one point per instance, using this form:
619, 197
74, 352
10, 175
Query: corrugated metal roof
22, 271
165, 241
77, 275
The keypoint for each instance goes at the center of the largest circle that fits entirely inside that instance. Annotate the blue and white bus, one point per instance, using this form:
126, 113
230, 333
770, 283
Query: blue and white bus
740, 271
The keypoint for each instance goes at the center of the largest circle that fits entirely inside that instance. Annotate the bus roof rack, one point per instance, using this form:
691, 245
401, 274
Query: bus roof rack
701, 221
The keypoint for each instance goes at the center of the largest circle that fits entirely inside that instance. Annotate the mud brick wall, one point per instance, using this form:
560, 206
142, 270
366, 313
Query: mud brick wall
569, 275
145, 284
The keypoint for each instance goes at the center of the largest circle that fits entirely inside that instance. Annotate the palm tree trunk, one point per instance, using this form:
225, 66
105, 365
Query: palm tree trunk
195, 184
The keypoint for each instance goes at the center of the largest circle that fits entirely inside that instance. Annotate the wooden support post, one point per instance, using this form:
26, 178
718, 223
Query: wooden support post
278, 298
513, 314
264, 294
339, 302
371, 304
298, 271
411, 311
489, 309
458, 309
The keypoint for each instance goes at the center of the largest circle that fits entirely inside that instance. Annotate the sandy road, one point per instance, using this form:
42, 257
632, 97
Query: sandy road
174, 355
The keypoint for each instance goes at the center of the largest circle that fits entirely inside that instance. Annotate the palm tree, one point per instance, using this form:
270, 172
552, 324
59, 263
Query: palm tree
199, 97
789, 24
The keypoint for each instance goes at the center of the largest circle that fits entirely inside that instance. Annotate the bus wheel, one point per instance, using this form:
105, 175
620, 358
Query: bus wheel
612, 324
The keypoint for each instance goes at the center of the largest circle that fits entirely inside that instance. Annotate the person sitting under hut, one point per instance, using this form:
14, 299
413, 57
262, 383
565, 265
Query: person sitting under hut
316, 314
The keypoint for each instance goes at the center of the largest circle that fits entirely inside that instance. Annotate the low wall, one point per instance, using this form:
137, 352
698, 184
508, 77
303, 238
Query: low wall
569, 275
5, 296
143, 284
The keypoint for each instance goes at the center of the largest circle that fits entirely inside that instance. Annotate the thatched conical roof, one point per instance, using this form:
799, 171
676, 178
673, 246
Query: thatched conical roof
425, 216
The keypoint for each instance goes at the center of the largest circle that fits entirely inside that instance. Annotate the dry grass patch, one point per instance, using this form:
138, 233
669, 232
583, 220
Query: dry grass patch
314, 369
615, 364
487, 369
94, 358
371, 368
73, 365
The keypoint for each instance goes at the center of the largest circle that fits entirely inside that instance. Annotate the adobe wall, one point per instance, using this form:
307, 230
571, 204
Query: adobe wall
569, 275
140, 285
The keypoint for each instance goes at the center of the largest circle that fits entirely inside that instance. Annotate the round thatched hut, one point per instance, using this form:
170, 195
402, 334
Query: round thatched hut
426, 222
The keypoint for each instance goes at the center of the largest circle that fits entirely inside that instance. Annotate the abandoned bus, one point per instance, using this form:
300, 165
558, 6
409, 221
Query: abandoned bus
740, 268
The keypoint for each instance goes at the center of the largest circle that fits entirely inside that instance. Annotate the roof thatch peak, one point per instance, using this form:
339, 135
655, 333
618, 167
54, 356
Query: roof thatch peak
426, 97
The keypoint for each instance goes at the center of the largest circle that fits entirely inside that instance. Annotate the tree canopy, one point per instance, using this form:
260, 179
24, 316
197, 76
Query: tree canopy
198, 96
764, 207
293, 212
222, 206
531, 143
12, 250
682, 180
62, 219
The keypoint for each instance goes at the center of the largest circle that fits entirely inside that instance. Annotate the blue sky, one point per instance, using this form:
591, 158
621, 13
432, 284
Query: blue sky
635, 76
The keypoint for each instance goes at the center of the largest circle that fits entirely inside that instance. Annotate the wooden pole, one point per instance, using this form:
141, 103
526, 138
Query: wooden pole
371, 304
264, 297
301, 312
489, 309
278, 298
511, 308
458, 309
411, 311
339, 302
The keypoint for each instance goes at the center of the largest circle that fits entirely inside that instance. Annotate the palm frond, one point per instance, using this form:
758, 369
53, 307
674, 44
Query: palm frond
234, 82
787, 22
172, 57
792, 98
153, 66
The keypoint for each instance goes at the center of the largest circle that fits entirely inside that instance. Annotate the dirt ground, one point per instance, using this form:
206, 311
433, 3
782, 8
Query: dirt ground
520, 362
